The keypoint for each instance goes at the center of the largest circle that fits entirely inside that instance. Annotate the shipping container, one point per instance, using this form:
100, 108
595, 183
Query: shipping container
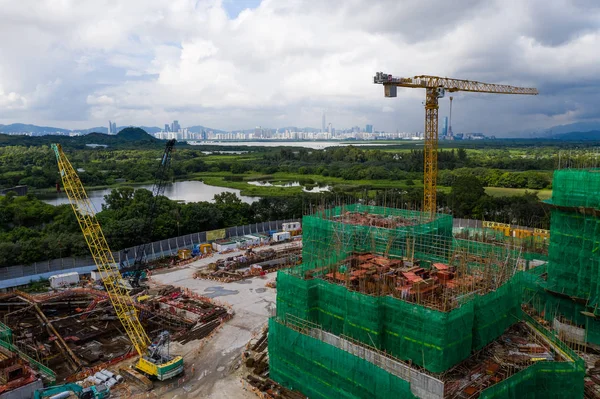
63, 280
281, 236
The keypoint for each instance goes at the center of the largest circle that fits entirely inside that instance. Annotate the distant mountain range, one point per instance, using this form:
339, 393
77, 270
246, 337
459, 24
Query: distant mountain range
553, 131
26, 128
39, 130
130, 137
23, 128
593, 135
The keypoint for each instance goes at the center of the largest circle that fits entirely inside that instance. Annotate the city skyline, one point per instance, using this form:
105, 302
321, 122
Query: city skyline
212, 61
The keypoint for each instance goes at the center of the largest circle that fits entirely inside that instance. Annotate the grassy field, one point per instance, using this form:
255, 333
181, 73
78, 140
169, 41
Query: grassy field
501, 191
219, 179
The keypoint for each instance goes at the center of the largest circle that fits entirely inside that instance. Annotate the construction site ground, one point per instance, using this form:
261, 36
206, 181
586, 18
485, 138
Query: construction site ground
213, 370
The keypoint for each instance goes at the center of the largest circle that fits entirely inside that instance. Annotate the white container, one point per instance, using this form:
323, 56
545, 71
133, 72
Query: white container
281, 236
63, 280
291, 226
119, 379
101, 377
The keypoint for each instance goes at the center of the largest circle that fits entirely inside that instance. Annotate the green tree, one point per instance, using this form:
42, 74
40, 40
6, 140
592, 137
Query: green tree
464, 196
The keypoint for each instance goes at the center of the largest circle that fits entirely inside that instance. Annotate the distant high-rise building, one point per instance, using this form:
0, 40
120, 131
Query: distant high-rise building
175, 126
445, 128
324, 124
329, 128
167, 127
112, 127
369, 129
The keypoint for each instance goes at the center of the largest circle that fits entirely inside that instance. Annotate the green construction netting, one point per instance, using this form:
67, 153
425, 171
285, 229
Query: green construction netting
323, 234
574, 255
551, 306
5, 333
576, 188
322, 371
572, 287
543, 380
496, 311
531, 247
432, 339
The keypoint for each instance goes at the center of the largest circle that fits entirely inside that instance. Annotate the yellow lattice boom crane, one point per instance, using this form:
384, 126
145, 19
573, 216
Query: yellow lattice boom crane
435, 88
155, 361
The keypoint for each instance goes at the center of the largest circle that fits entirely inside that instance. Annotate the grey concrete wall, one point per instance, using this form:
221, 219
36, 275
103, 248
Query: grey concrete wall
24, 392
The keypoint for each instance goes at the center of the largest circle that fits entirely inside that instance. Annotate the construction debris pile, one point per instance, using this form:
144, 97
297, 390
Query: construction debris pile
77, 329
369, 219
252, 263
516, 350
14, 373
256, 361
437, 285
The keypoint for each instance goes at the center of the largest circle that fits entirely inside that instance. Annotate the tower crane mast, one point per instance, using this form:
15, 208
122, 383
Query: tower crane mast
160, 181
154, 363
435, 88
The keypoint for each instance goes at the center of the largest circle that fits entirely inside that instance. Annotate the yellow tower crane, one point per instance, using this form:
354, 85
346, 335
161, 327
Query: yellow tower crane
435, 88
155, 361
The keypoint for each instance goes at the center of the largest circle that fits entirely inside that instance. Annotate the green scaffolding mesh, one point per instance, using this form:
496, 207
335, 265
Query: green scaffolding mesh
578, 188
325, 234
543, 380
5, 333
322, 371
574, 257
550, 306
430, 338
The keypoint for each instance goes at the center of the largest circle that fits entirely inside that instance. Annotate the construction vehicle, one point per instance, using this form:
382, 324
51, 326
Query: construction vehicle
65, 391
435, 88
157, 362
160, 180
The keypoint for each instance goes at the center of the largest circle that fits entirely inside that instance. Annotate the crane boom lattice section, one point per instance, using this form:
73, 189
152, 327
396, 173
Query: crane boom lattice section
103, 257
435, 88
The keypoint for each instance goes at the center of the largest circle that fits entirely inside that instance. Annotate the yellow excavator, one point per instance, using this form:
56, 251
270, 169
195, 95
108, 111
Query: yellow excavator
155, 360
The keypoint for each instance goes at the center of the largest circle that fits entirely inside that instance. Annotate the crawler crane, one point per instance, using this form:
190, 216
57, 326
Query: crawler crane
155, 360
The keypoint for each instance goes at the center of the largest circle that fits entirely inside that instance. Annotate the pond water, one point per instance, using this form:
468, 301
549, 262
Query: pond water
186, 191
269, 184
315, 145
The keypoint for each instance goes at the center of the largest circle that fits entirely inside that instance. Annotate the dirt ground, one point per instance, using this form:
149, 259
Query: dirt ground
213, 371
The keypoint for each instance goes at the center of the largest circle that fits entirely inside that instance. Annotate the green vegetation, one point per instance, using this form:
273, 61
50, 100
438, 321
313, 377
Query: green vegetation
509, 192
500, 181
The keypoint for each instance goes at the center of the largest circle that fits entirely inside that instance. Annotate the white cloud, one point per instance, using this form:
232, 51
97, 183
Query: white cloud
283, 62
100, 100
12, 100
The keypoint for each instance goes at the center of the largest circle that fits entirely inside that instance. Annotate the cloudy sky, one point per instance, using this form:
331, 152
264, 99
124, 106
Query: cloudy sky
233, 64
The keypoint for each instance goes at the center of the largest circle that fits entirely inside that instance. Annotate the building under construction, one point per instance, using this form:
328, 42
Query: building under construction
70, 334
389, 304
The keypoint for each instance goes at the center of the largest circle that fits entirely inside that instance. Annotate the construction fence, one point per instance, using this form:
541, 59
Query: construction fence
154, 250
